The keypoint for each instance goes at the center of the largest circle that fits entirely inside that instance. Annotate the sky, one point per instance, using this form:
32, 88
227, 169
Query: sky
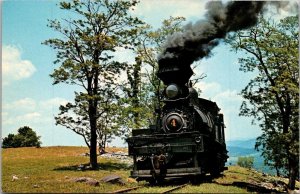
30, 99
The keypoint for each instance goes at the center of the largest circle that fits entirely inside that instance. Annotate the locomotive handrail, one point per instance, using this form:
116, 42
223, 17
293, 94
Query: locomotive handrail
175, 100
172, 134
158, 137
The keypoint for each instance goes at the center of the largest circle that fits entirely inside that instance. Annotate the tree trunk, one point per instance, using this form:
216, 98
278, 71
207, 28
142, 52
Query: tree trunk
93, 126
93, 144
136, 89
277, 171
292, 174
93, 151
93, 105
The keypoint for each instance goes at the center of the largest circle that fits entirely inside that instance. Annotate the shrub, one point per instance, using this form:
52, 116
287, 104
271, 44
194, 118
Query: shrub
26, 137
246, 162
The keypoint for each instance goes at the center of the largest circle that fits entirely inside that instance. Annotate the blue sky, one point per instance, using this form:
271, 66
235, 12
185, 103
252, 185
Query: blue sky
30, 99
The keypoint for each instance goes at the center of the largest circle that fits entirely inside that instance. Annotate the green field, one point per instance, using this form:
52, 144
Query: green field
52, 169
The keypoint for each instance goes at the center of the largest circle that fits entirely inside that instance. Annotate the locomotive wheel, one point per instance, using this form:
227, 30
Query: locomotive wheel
155, 181
197, 179
215, 172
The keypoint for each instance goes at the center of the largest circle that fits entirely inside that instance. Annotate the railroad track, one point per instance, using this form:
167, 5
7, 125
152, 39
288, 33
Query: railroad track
174, 188
138, 187
126, 190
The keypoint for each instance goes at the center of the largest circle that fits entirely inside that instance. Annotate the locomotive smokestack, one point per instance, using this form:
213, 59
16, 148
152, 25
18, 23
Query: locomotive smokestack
197, 40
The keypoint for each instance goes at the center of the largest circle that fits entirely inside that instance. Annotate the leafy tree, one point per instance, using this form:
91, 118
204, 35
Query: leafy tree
272, 96
26, 137
135, 110
85, 57
8, 142
29, 137
108, 123
73, 117
246, 162
273, 154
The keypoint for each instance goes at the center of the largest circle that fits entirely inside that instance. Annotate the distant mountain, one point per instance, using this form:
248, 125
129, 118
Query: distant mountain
242, 148
240, 151
250, 143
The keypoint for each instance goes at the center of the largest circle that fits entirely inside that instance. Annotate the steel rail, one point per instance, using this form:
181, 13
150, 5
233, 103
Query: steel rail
175, 188
126, 190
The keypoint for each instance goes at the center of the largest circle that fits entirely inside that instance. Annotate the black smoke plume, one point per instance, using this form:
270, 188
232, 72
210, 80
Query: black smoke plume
197, 40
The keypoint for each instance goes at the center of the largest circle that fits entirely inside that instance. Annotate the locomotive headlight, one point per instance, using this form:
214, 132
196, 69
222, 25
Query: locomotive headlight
173, 122
172, 91
198, 139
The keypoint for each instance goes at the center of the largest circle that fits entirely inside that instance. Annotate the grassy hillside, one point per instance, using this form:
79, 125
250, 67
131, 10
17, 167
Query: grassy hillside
52, 169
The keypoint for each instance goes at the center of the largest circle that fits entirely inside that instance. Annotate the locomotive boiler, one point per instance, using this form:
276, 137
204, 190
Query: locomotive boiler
188, 138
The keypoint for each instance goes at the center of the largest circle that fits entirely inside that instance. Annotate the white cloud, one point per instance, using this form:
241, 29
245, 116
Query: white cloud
28, 112
123, 55
23, 119
228, 100
54, 102
208, 90
205, 87
29, 117
229, 95
22, 104
13, 66
155, 10
280, 9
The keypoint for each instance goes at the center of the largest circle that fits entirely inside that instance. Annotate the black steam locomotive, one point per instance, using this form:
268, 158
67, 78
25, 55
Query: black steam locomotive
188, 138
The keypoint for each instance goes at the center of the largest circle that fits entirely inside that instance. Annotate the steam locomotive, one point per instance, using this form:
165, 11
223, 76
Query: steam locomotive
188, 138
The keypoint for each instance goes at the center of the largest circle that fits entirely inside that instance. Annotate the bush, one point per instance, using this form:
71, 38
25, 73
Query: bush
26, 137
246, 162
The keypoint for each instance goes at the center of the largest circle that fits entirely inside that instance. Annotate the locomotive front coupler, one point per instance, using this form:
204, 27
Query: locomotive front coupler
158, 162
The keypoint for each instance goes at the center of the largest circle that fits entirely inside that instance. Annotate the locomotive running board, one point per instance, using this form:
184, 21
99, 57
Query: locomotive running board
170, 172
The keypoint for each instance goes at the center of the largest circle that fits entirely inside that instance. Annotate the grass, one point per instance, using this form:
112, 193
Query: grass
201, 188
51, 170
